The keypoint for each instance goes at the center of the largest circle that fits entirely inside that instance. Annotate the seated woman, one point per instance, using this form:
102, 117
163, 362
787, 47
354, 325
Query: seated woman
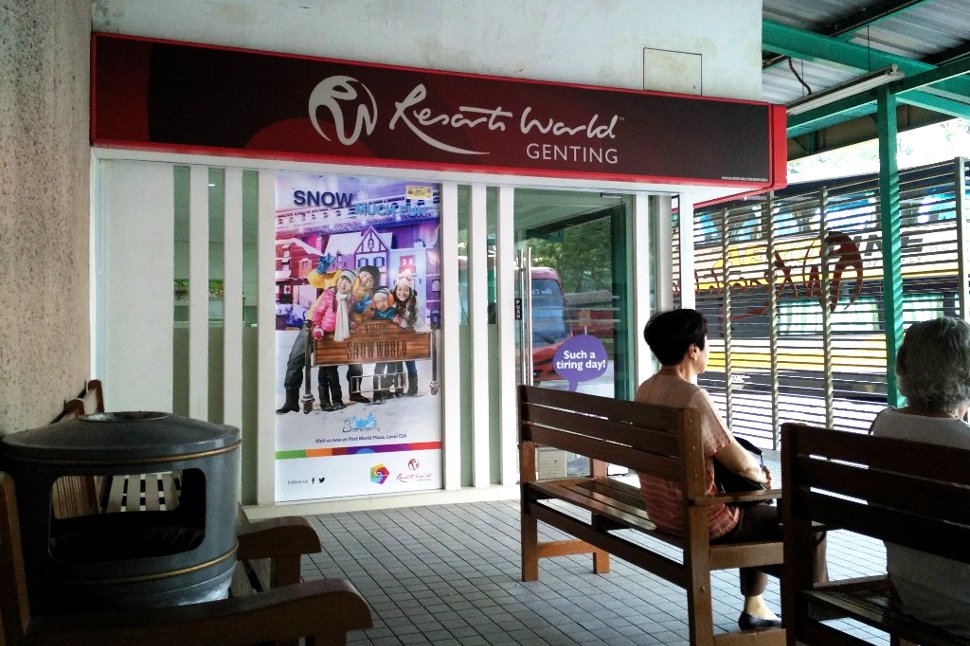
933, 372
679, 341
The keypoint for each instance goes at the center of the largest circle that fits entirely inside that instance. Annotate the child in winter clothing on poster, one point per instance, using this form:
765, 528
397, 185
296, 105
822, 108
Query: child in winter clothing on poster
383, 311
332, 314
368, 277
406, 304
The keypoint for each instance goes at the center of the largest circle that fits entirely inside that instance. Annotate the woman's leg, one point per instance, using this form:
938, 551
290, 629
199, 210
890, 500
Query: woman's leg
757, 522
412, 377
336, 395
323, 388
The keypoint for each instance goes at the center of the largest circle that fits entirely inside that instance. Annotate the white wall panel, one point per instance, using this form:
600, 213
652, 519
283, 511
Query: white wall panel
641, 284
478, 329
505, 298
135, 268
266, 338
233, 299
450, 370
577, 42
199, 292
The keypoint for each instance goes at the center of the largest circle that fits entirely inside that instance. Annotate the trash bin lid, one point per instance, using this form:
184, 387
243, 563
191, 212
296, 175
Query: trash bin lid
120, 438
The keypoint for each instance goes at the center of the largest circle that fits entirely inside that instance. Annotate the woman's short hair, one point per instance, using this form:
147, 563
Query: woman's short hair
933, 364
670, 334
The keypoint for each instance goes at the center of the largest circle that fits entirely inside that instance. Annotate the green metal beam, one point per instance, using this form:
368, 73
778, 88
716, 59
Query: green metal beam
954, 68
936, 104
852, 107
892, 263
801, 44
864, 104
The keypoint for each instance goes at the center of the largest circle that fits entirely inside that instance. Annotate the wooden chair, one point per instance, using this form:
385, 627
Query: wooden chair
608, 517
321, 611
909, 493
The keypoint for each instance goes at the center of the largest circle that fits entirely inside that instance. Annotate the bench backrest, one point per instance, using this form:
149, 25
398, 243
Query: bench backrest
909, 493
89, 400
655, 440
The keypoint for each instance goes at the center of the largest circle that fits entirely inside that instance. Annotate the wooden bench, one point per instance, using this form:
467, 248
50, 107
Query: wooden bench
77, 495
607, 516
321, 611
909, 493
269, 551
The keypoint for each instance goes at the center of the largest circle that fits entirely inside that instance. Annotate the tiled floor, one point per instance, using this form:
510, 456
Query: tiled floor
450, 575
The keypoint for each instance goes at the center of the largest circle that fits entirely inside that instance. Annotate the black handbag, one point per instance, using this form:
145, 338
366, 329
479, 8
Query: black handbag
728, 481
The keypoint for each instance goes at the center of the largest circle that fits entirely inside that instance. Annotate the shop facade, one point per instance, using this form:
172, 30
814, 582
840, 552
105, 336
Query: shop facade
528, 222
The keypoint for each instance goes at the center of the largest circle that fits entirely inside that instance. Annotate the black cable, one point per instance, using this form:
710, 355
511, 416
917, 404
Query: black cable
800, 80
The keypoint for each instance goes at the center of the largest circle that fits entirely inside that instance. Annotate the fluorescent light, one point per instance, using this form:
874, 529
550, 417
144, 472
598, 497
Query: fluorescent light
845, 90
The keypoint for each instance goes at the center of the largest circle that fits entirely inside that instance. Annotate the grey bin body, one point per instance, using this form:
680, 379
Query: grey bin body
133, 559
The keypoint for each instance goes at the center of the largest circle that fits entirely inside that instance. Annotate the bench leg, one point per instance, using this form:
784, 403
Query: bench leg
530, 547
700, 612
601, 562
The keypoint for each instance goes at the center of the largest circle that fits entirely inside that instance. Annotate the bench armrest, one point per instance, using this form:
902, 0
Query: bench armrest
322, 609
741, 497
276, 537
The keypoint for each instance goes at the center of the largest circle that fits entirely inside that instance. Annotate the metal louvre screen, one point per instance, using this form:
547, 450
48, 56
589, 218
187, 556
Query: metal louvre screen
792, 287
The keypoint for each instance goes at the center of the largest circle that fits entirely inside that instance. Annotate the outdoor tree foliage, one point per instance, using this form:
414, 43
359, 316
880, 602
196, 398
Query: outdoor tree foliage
582, 256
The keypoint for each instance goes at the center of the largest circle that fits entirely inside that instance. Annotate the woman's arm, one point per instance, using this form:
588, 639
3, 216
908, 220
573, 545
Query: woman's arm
737, 459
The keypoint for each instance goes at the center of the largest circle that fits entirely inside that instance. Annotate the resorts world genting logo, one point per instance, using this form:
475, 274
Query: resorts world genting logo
353, 113
336, 94
415, 475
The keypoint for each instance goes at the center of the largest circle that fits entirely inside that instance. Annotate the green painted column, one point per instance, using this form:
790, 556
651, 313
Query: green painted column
891, 245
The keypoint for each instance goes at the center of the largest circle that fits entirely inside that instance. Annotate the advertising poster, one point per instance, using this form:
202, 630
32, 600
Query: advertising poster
357, 308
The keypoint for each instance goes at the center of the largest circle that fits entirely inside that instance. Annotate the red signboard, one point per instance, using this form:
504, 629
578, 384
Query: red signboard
194, 98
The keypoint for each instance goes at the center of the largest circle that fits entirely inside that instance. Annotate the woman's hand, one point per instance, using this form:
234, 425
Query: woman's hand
737, 459
767, 473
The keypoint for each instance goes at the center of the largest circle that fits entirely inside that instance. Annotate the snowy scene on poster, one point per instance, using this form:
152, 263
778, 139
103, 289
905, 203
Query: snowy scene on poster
357, 307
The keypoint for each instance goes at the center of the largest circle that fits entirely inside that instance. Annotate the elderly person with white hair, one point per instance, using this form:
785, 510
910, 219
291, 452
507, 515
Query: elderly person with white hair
933, 372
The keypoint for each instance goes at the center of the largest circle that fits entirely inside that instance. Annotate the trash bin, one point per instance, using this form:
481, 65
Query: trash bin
180, 551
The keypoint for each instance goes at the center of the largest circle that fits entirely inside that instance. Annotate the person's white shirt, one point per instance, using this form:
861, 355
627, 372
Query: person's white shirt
932, 588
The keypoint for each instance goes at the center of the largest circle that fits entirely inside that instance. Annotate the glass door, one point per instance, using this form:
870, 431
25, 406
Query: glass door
573, 288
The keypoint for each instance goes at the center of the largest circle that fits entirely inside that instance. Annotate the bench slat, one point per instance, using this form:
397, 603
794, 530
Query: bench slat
726, 556
925, 497
622, 492
151, 501
638, 461
662, 441
763, 638
171, 487
914, 530
879, 611
116, 495
581, 498
664, 567
637, 414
